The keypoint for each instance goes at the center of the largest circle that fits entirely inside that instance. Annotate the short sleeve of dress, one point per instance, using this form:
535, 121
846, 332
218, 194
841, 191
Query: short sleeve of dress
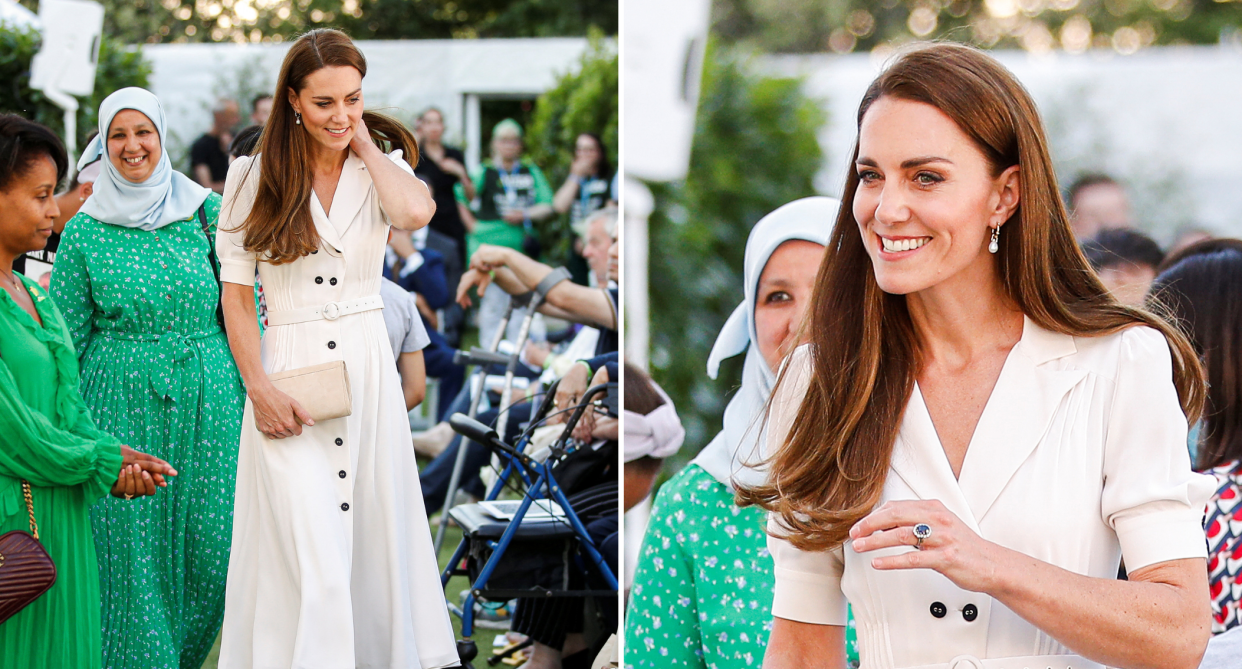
1151, 498
808, 583
237, 265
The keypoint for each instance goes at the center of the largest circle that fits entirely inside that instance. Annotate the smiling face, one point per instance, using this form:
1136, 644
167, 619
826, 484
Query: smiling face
29, 208
133, 145
927, 198
785, 288
331, 105
595, 250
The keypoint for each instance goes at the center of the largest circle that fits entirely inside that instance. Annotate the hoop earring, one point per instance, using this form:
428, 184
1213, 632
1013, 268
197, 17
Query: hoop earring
297, 117
994, 245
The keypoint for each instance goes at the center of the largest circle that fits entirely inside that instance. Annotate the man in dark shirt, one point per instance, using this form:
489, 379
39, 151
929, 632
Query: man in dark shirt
209, 155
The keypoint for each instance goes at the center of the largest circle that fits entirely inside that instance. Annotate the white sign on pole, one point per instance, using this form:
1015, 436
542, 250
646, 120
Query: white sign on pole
72, 30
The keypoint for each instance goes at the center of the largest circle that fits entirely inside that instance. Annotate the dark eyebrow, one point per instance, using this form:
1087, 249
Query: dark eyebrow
907, 164
329, 97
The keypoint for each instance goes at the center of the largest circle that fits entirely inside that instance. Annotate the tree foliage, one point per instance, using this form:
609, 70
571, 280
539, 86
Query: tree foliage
755, 148
1035, 25
156, 21
581, 101
119, 66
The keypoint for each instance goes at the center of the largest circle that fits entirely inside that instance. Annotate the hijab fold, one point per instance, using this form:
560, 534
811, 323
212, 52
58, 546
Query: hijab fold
166, 195
738, 448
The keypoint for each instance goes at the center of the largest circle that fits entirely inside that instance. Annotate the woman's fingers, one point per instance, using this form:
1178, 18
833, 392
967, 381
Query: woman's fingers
898, 536
896, 514
153, 464
146, 483
301, 414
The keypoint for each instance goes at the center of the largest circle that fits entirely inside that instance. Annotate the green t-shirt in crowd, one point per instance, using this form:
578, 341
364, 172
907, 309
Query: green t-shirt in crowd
500, 191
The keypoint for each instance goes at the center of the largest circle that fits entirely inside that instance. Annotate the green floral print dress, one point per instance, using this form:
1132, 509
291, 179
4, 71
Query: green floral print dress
702, 594
157, 374
50, 441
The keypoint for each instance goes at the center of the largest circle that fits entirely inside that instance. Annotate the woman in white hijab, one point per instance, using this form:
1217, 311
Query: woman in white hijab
703, 588
136, 279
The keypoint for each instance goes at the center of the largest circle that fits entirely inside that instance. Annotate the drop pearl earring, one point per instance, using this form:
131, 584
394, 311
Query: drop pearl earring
994, 245
297, 118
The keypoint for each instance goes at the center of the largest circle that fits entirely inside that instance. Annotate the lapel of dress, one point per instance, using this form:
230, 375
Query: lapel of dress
919, 459
351, 192
1017, 414
327, 232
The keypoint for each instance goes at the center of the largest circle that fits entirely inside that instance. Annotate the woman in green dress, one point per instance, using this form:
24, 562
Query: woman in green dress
702, 593
135, 277
49, 438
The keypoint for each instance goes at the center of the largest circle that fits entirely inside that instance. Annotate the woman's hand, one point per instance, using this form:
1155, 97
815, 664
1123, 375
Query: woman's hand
362, 138
455, 168
140, 474
952, 549
133, 482
276, 414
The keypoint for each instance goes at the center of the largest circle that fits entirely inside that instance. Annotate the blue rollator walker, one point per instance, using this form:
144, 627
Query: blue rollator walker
483, 359
486, 540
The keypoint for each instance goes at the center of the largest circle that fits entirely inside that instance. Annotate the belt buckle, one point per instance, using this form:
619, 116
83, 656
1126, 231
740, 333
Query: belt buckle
965, 662
332, 311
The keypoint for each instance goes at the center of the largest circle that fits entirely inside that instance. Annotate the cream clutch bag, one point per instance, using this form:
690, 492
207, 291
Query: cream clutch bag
323, 390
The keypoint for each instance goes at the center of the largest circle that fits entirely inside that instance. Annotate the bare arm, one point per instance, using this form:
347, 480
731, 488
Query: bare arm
413, 378
276, 414
563, 201
405, 198
795, 645
202, 174
1159, 619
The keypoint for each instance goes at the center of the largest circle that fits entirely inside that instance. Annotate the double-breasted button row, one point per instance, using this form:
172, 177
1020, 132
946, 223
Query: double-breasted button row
319, 279
969, 612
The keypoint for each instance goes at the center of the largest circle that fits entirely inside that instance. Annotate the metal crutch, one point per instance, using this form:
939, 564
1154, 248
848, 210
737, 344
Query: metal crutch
481, 359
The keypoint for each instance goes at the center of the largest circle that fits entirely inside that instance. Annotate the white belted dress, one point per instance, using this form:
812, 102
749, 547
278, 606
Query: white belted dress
1079, 459
332, 565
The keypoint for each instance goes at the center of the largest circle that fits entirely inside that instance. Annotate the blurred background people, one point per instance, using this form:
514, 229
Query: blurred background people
585, 191
209, 155
443, 168
513, 195
260, 109
1097, 202
408, 338
1200, 288
50, 442
1126, 262
137, 282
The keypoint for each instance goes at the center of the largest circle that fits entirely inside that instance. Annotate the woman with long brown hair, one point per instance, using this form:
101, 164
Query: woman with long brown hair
975, 434
332, 564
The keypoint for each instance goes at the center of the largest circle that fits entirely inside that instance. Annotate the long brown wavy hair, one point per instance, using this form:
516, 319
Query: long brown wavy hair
279, 226
830, 471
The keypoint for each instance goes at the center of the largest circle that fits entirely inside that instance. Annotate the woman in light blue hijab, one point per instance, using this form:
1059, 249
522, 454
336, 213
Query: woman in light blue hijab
137, 280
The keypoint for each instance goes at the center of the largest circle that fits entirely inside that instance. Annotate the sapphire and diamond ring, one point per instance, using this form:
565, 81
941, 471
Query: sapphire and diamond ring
921, 532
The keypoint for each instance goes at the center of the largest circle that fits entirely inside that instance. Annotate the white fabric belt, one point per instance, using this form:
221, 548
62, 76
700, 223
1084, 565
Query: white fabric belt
328, 312
1028, 662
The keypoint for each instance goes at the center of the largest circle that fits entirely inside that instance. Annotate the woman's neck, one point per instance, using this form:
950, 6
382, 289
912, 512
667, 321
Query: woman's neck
6, 264
326, 161
964, 318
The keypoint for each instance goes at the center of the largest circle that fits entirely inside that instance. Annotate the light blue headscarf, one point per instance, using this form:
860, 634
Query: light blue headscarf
732, 455
166, 195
